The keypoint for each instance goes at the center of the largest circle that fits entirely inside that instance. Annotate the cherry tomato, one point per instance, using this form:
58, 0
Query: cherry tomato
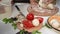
30, 16
27, 24
40, 19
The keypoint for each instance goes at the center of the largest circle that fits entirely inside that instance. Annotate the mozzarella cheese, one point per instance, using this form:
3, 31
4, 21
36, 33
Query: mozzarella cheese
35, 22
51, 6
55, 23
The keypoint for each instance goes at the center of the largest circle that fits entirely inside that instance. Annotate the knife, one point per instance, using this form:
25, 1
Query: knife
19, 10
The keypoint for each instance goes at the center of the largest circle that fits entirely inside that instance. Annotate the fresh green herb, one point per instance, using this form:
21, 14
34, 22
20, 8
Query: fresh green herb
14, 19
36, 32
11, 21
5, 20
22, 31
26, 32
48, 26
14, 25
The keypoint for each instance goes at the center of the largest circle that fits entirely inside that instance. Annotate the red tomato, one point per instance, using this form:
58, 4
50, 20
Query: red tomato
27, 24
40, 19
30, 16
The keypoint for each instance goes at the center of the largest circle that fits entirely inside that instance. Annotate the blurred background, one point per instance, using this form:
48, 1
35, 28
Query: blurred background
7, 28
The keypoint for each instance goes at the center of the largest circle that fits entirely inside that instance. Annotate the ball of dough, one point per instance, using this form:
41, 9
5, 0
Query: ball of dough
55, 23
51, 6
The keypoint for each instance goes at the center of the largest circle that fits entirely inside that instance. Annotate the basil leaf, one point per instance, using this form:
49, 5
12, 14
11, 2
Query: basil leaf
21, 31
5, 20
10, 20
14, 25
36, 32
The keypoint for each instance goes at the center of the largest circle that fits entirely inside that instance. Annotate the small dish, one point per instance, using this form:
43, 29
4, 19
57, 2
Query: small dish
31, 29
54, 18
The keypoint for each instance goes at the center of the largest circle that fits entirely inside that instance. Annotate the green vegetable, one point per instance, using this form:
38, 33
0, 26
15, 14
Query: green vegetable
11, 21
36, 32
25, 32
5, 20
48, 26
14, 25
22, 31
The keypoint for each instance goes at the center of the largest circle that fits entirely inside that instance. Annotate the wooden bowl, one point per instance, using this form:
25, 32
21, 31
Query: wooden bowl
31, 29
